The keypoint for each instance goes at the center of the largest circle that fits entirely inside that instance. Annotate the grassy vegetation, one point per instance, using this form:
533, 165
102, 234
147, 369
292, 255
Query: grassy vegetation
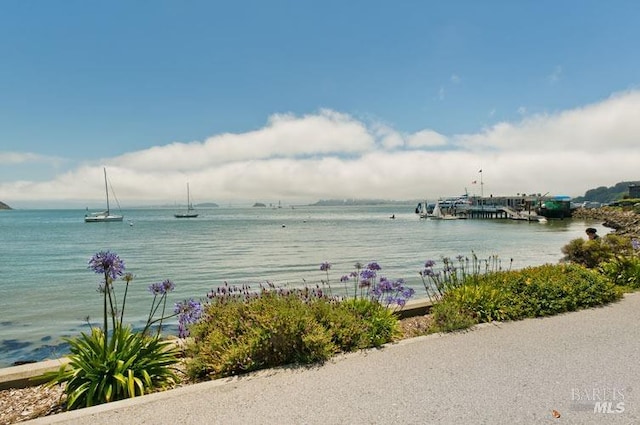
273, 329
532, 292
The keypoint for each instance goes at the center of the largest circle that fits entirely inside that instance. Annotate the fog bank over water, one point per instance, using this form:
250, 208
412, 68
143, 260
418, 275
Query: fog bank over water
298, 159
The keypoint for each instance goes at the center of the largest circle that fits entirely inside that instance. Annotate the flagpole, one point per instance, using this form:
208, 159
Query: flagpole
481, 184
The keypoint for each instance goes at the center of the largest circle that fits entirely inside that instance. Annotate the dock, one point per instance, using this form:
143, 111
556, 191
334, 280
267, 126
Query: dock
532, 207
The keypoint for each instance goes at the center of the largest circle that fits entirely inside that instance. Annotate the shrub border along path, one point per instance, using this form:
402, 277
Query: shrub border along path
530, 370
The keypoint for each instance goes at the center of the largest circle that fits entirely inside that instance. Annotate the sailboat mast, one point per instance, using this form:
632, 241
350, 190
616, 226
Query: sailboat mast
106, 188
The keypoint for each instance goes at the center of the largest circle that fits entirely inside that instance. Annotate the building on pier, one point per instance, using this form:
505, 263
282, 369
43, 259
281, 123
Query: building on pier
531, 207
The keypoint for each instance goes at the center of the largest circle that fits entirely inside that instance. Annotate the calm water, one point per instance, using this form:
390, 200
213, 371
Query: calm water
46, 290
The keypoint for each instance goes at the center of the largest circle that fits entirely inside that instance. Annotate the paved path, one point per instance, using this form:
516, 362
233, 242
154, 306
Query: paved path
511, 373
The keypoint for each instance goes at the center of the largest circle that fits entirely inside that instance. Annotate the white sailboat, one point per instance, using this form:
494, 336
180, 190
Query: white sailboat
191, 212
103, 216
438, 214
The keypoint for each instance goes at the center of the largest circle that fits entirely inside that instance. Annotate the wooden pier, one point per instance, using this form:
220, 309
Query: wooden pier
520, 207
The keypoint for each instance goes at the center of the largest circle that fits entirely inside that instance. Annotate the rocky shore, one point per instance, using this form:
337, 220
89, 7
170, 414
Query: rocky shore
626, 223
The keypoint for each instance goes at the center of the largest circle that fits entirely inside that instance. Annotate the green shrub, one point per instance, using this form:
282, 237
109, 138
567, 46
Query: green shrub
449, 317
371, 322
274, 329
487, 301
552, 289
591, 253
586, 253
623, 271
267, 331
531, 292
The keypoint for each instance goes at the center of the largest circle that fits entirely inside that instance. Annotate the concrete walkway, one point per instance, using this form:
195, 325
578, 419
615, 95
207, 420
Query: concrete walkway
510, 373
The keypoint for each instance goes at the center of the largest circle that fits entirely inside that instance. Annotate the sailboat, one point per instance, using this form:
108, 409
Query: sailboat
438, 214
103, 215
191, 212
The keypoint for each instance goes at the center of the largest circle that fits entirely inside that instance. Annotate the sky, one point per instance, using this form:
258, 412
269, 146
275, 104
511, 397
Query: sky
294, 101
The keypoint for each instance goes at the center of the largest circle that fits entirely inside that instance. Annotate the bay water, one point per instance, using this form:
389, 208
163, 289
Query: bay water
47, 291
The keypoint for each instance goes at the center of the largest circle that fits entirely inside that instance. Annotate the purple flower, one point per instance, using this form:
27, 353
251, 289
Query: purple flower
398, 284
408, 293
344, 278
161, 288
428, 272
108, 263
429, 263
325, 266
385, 285
188, 311
367, 274
635, 243
374, 266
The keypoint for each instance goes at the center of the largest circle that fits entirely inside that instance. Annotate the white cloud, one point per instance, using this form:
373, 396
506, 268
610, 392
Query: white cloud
284, 136
610, 125
426, 139
333, 155
11, 158
388, 138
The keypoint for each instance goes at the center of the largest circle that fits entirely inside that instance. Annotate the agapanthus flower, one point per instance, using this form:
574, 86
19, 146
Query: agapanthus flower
107, 262
635, 243
161, 288
367, 274
429, 263
344, 278
385, 285
374, 266
408, 293
398, 284
188, 311
325, 266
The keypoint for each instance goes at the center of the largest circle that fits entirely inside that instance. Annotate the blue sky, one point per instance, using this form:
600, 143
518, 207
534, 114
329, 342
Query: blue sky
305, 100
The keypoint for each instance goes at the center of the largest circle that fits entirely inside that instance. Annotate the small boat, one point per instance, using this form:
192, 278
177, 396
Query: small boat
439, 214
103, 216
191, 212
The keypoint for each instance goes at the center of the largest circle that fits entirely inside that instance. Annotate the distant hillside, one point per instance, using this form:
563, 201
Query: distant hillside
352, 202
207, 205
606, 194
4, 206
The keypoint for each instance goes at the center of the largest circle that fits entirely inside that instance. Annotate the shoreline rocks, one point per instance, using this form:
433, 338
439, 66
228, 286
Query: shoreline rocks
625, 223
